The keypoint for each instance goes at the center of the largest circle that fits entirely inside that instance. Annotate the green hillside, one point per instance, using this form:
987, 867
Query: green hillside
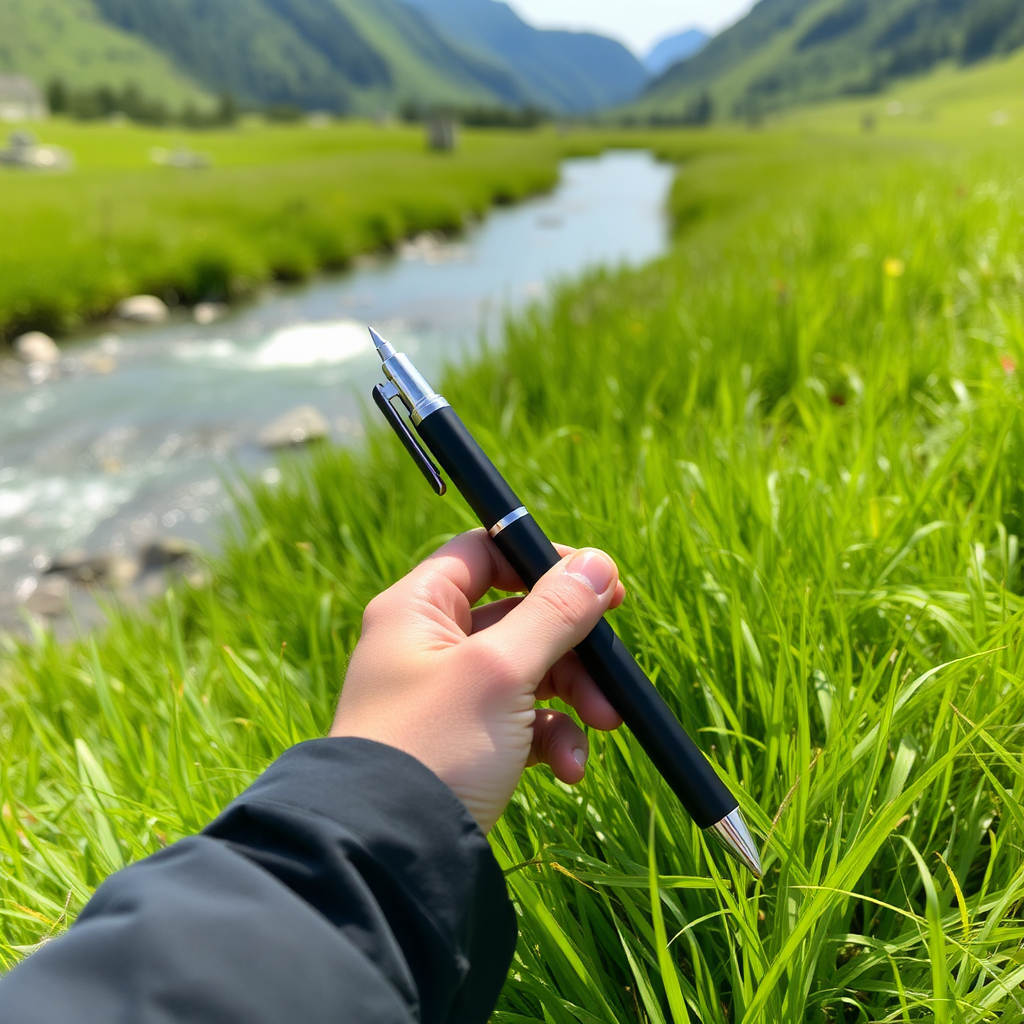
427, 64
565, 71
68, 38
789, 51
328, 54
340, 55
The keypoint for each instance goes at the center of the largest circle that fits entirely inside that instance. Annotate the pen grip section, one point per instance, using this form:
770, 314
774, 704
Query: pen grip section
610, 664
467, 466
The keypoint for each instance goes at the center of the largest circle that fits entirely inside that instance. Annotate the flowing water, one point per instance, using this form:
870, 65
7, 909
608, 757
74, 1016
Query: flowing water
133, 437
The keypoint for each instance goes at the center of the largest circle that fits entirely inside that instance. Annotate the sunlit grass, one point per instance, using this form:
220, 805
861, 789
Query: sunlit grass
801, 436
277, 203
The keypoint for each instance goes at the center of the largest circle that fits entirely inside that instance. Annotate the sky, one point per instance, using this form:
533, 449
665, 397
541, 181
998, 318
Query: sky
637, 23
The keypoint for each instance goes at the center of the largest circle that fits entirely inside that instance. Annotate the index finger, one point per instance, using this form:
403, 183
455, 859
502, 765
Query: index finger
468, 566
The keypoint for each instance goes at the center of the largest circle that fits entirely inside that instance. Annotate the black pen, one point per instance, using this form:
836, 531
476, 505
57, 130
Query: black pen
531, 554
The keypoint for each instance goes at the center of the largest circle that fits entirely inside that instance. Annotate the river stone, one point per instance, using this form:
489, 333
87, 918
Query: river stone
104, 569
143, 309
36, 347
209, 312
300, 426
166, 551
50, 599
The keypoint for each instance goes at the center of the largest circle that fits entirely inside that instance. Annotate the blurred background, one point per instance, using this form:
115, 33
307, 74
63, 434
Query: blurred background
175, 171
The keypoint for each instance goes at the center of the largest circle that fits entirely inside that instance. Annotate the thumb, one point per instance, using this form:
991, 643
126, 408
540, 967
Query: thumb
561, 610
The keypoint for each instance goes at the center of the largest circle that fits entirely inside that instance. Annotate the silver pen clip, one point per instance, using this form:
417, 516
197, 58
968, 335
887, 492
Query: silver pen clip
383, 394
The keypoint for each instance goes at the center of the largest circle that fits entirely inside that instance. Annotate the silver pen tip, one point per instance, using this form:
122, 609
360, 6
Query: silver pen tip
733, 834
384, 348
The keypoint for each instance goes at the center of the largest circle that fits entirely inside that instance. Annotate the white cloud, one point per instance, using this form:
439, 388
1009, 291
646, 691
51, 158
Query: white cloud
637, 23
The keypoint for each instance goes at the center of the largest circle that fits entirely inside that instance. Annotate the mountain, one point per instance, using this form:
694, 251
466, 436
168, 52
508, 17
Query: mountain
573, 72
427, 65
45, 39
674, 49
787, 51
330, 54
341, 55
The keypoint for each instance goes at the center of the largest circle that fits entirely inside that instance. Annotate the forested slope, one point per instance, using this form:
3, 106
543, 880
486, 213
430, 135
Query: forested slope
787, 51
45, 39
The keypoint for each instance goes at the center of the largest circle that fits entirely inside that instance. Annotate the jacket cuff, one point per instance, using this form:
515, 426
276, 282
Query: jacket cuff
429, 866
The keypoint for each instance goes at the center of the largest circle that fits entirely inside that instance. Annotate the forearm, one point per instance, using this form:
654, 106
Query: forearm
348, 879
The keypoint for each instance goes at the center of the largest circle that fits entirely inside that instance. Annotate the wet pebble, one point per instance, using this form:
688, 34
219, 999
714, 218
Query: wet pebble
167, 551
209, 312
50, 599
300, 426
104, 569
36, 347
143, 309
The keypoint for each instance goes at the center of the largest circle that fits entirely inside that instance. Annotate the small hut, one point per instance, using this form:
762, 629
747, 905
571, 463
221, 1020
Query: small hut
442, 131
21, 100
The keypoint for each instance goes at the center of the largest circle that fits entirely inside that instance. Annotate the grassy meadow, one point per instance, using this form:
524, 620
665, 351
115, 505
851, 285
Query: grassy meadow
801, 435
277, 203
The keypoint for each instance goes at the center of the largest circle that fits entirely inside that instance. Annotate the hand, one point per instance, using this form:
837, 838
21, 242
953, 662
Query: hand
457, 688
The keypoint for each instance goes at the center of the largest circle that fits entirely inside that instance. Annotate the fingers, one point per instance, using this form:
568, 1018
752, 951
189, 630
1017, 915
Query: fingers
562, 609
569, 681
458, 574
461, 572
488, 614
560, 743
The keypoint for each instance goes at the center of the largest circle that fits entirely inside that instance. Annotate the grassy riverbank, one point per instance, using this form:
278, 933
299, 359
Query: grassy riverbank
277, 202
801, 435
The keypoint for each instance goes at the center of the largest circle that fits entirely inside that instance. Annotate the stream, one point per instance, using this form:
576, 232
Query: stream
133, 437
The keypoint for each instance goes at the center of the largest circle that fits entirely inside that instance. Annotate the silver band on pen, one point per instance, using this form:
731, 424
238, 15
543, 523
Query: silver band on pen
511, 518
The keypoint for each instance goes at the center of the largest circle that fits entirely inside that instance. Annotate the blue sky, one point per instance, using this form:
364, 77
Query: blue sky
637, 23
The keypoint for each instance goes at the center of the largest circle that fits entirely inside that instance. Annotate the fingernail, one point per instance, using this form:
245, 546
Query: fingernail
595, 568
580, 757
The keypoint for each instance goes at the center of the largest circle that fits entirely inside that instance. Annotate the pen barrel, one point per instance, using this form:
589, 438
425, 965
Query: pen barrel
467, 465
680, 762
678, 759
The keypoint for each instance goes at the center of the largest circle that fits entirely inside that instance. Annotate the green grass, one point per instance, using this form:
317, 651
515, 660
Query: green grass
278, 203
801, 436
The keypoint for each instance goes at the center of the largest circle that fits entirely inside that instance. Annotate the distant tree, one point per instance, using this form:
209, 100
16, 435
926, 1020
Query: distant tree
700, 111
107, 101
283, 113
410, 112
57, 96
502, 117
133, 103
227, 109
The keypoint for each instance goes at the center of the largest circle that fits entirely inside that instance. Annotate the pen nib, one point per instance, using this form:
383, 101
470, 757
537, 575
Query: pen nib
733, 834
384, 348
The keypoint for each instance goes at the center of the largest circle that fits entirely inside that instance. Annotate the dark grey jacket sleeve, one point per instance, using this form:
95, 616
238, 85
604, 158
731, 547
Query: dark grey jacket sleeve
347, 884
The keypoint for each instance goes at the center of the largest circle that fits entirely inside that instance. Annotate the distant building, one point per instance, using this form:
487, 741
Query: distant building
442, 132
21, 99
